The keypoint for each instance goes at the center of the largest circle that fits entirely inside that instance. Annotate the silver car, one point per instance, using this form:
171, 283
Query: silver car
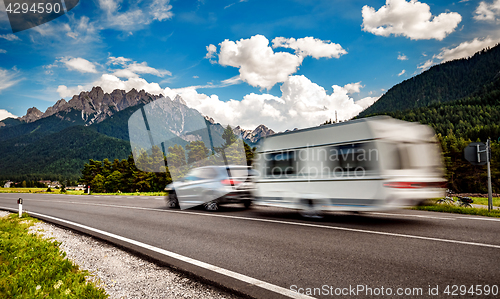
212, 186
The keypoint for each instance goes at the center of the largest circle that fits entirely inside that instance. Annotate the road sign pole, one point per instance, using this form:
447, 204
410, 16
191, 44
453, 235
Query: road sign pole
488, 158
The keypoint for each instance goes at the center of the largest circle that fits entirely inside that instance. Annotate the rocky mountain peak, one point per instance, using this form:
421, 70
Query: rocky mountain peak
32, 115
95, 105
253, 136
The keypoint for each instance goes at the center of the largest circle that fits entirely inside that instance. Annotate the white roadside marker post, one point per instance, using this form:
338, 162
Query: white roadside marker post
20, 202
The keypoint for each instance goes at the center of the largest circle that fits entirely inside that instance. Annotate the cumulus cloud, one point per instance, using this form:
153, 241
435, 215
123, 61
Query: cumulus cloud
260, 66
411, 19
353, 87
8, 78
488, 11
132, 69
6, 114
402, 73
211, 51
464, 50
310, 46
3, 51
9, 37
79, 64
402, 57
108, 83
302, 104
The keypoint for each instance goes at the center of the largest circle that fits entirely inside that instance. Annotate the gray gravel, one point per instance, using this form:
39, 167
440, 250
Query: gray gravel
122, 274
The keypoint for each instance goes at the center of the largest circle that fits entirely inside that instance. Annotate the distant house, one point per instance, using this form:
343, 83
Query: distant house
76, 188
45, 182
54, 184
7, 185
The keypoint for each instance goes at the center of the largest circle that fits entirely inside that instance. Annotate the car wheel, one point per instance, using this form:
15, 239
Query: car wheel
211, 206
309, 210
172, 201
247, 203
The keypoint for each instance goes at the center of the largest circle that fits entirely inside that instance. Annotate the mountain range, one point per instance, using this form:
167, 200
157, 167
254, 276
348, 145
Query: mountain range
459, 96
94, 125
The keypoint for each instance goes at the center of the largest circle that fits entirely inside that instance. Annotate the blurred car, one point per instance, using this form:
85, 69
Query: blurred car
212, 186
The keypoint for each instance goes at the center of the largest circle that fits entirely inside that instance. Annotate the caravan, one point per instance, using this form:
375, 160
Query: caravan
369, 164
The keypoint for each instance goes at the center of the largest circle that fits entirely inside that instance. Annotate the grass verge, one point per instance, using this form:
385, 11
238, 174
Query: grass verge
32, 267
459, 210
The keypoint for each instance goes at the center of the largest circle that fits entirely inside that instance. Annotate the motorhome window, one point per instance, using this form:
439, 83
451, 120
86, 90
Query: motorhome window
282, 163
361, 156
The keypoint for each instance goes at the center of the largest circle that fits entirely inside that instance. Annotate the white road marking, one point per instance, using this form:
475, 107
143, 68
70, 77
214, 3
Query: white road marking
295, 223
235, 275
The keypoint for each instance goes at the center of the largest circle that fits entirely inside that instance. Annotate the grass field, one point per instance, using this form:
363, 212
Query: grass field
458, 210
32, 267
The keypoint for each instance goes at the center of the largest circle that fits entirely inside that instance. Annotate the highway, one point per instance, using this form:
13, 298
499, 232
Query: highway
264, 252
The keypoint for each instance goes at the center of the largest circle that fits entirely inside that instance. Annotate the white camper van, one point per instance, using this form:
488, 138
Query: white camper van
369, 164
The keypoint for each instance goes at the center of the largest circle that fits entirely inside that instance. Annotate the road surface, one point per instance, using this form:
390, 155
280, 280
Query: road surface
265, 252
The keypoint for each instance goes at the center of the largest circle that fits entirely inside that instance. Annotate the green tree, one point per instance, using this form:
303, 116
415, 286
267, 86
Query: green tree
197, 151
98, 183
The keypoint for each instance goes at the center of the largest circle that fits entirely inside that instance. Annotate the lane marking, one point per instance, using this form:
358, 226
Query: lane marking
232, 274
339, 228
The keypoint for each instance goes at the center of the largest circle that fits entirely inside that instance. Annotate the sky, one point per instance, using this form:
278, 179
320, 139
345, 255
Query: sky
285, 64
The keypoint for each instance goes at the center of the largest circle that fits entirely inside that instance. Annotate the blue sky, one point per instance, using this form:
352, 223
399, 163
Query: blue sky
281, 63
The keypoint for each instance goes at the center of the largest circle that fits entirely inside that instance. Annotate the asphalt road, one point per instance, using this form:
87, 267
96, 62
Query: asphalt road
406, 251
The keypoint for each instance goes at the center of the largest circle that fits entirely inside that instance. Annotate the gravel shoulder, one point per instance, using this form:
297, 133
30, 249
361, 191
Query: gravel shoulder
122, 274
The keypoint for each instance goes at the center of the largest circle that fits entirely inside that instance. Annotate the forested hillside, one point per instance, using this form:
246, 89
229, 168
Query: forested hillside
457, 123
442, 83
58, 155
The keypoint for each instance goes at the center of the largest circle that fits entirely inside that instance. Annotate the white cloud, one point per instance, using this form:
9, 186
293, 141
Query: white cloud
402, 73
402, 57
134, 18
488, 11
79, 64
108, 83
260, 66
411, 19
366, 102
9, 37
6, 114
353, 87
161, 10
310, 46
211, 51
65, 92
3, 51
132, 69
302, 104
466, 49
8, 78
426, 65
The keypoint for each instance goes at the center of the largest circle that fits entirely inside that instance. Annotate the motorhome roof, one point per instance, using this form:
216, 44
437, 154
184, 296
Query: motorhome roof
358, 130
